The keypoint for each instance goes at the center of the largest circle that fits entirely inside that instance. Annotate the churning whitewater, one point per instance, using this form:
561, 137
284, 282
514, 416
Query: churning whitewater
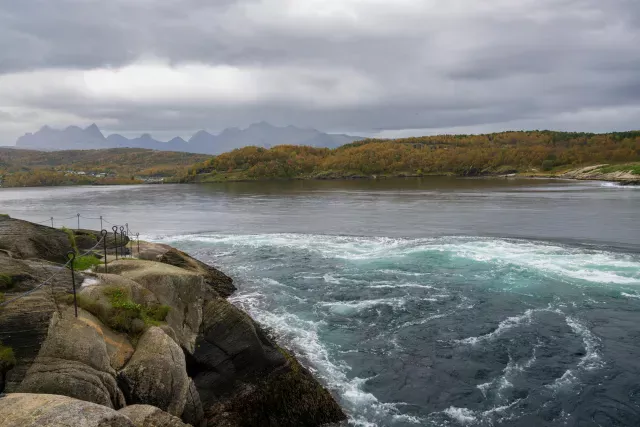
448, 331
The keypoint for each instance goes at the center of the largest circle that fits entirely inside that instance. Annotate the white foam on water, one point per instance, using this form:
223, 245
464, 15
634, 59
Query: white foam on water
302, 336
402, 285
589, 266
592, 358
592, 266
466, 416
624, 294
352, 307
403, 273
505, 325
331, 279
461, 415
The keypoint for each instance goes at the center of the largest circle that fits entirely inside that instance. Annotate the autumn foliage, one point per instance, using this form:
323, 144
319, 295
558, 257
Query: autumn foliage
465, 155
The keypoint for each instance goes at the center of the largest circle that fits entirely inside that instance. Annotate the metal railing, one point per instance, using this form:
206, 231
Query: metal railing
121, 231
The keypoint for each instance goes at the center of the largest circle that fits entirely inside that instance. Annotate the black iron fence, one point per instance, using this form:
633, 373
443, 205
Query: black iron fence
121, 233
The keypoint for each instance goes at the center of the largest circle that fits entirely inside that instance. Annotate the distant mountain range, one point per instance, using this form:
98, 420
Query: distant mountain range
258, 134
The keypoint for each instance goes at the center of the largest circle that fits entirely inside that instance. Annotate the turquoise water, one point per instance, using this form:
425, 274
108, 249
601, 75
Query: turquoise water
435, 302
448, 331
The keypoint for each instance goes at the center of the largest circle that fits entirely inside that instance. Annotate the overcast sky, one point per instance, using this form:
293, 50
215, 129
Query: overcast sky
371, 67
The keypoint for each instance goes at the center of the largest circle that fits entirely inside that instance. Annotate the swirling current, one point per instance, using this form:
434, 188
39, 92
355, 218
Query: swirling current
448, 331
532, 319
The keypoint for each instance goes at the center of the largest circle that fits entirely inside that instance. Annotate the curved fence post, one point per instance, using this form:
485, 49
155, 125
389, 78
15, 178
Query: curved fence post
104, 243
115, 237
72, 257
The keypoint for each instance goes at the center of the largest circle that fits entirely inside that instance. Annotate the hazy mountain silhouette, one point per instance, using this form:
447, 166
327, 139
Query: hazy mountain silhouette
259, 134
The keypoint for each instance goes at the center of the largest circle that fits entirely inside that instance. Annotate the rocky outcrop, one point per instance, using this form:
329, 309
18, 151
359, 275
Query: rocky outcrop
151, 332
244, 379
150, 416
156, 374
24, 323
73, 361
47, 410
213, 277
182, 290
285, 397
27, 240
229, 350
600, 173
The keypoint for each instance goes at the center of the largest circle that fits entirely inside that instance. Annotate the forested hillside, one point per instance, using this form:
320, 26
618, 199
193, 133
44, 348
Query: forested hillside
20, 168
464, 155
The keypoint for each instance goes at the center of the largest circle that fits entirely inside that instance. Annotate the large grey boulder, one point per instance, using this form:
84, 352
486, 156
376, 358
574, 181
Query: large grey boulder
213, 277
48, 410
246, 380
182, 290
150, 416
74, 361
24, 322
230, 349
156, 374
27, 240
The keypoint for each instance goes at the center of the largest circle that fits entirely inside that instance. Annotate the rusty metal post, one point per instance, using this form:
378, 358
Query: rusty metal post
72, 257
115, 239
104, 243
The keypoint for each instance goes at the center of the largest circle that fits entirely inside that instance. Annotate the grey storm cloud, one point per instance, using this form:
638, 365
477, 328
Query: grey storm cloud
366, 66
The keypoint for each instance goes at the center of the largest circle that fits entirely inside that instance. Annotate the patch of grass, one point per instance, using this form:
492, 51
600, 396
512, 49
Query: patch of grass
6, 355
123, 314
85, 262
633, 168
4, 215
6, 281
72, 238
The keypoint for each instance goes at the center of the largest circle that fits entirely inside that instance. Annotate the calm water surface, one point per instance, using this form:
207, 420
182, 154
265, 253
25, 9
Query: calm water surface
435, 301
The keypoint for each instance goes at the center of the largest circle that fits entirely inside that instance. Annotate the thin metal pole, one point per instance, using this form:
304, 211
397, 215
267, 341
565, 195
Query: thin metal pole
100, 222
138, 239
51, 222
115, 239
122, 242
72, 256
78, 221
104, 243
128, 241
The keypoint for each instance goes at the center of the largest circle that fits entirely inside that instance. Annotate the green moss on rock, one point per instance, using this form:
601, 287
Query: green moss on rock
7, 358
121, 313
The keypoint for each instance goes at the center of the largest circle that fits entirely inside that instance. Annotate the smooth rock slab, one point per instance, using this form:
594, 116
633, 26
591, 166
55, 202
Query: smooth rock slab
48, 410
156, 374
74, 361
150, 416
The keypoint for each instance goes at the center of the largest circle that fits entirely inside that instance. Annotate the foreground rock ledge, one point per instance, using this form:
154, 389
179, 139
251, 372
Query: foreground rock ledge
155, 344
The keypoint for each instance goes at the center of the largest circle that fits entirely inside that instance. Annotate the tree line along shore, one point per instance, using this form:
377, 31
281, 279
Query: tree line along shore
614, 156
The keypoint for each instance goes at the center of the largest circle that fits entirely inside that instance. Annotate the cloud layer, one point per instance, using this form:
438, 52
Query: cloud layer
366, 66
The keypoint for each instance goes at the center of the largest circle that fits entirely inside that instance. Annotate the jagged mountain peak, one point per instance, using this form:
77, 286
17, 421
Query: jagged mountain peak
260, 134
